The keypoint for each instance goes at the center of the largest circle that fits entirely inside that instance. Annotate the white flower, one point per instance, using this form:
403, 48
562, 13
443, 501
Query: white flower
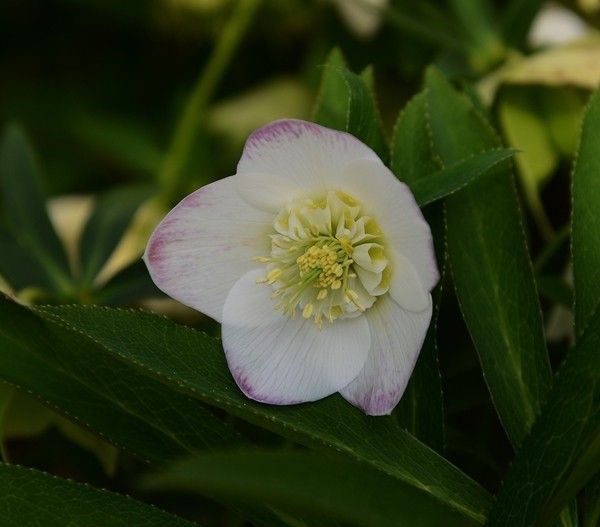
555, 25
362, 16
316, 260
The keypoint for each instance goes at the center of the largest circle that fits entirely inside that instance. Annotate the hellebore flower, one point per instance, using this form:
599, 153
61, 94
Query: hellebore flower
316, 260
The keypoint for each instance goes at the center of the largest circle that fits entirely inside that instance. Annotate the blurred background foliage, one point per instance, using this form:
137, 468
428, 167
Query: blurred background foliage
128, 106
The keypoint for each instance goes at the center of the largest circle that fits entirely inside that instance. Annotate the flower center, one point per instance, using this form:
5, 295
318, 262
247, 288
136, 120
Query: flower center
328, 259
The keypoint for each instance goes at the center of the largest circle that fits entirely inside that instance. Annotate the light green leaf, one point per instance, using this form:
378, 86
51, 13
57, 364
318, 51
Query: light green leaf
89, 384
108, 222
190, 362
24, 207
34, 499
586, 221
572, 64
492, 272
563, 450
347, 103
525, 129
332, 487
563, 109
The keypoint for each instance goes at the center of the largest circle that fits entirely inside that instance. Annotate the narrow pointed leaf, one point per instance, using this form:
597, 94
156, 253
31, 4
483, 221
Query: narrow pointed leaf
88, 384
128, 285
346, 102
24, 208
563, 450
34, 499
188, 361
490, 264
412, 158
110, 218
458, 175
586, 220
306, 482
331, 107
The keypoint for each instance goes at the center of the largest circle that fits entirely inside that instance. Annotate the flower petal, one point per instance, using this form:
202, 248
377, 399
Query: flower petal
396, 339
406, 287
304, 153
279, 360
205, 244
267, 192
393, 205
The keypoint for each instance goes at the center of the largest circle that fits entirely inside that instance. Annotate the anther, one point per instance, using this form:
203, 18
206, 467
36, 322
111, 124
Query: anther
308, 310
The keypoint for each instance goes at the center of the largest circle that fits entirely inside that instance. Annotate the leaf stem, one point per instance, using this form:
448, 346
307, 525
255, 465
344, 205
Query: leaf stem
172, 171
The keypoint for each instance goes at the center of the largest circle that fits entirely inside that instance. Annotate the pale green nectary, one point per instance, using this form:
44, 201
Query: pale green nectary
316, 260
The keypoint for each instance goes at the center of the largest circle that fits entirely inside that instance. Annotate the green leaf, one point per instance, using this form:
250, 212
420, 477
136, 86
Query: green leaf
458, 175
128, 285
18, 266
347, 103
586, 222
35, 499
421, 409
331, 107
332, 487
24, 206
122, 140
106, 454
563, 110
411, 157
556, 289
190, 362
110, 218
525, 128
93, 386
591, 501
563, 450
516, 20
492, 271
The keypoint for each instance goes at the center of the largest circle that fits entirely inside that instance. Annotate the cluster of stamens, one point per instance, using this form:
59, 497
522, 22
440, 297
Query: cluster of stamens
311, 265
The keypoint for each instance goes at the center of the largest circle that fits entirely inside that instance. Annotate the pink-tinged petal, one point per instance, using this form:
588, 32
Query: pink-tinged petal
267, 192
304, 153
397, 336
393, 205
406, 287
205, 244
277, 360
